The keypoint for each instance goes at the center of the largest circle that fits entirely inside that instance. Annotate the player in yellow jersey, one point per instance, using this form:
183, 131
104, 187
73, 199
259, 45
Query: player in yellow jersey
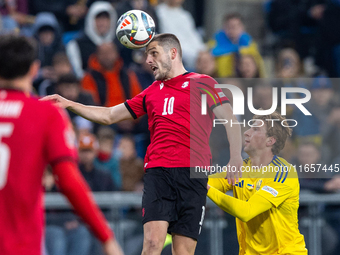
266, 198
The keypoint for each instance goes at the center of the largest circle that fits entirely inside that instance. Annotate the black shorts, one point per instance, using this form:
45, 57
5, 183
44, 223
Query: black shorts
171, 195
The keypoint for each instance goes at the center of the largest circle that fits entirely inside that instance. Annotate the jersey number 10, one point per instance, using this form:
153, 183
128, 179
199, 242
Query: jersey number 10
168, 107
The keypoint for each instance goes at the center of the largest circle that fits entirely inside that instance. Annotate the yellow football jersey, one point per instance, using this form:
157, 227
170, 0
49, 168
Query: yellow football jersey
274, 231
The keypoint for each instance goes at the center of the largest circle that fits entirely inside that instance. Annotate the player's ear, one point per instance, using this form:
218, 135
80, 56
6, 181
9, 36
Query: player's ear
173, 53
34, 69
270, 141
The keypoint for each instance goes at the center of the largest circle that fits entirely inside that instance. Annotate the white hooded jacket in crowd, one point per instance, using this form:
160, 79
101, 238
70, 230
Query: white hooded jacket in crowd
75, 52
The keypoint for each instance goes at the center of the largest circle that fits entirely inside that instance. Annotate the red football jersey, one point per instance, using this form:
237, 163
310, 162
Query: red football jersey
32, 134
179, 132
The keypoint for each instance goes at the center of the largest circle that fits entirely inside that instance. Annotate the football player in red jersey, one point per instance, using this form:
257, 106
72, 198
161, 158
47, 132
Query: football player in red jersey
172, 201
33, 134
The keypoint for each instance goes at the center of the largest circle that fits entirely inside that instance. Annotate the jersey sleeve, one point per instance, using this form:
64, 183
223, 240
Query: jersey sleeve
136, 106
60, 137
276, 191
215, 96
244, 210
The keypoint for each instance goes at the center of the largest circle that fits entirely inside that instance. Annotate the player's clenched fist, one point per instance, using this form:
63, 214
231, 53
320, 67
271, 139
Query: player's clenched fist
58, 100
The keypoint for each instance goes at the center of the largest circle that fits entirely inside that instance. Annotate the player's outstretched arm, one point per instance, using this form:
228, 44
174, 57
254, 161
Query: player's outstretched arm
73, 186
101, 115
243, 210
225, 112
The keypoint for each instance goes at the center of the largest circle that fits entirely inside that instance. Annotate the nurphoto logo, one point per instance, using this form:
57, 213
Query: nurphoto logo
238, 104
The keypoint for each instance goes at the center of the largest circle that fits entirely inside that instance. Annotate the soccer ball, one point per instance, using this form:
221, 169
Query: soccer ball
135, 29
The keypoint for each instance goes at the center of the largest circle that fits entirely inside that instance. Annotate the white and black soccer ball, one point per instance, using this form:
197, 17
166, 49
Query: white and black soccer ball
135, 29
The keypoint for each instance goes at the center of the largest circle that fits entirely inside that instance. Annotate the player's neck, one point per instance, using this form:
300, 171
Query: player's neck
261, 159
176, 71
23, 84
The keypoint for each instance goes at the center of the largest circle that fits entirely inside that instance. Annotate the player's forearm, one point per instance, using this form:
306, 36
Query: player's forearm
242, 210
101, 115
234, 138
225, 111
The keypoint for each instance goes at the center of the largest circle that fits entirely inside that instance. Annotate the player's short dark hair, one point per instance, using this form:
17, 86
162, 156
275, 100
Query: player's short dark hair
233, 15
168, 41
69, 78
279, 132
17, 54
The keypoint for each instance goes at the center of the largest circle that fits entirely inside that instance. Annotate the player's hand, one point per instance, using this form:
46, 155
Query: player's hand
234, 168
111, 247
57, 100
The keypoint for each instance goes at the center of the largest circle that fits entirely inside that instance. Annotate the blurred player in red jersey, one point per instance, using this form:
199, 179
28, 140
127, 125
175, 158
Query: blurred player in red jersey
172, 201
33, 134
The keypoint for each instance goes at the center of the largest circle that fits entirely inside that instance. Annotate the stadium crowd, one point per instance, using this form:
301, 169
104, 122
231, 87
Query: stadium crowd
82, 60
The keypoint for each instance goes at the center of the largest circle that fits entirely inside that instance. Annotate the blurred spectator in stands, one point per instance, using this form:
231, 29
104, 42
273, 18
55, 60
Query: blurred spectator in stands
289, 151
295, 23
183, 26
98, 179
316, 127
328, 40
232, 41
75, 14
61, 66
131, 166
332, 212
331, 137
14, 15
142, 69
262, 97
309, 157
107, 79
46, 31
206, 64
289, 71
68, 86
69, 13
146, 78
247, 67
65, 234
106, 159
100, 24
143, 5
56, 7
288, 64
